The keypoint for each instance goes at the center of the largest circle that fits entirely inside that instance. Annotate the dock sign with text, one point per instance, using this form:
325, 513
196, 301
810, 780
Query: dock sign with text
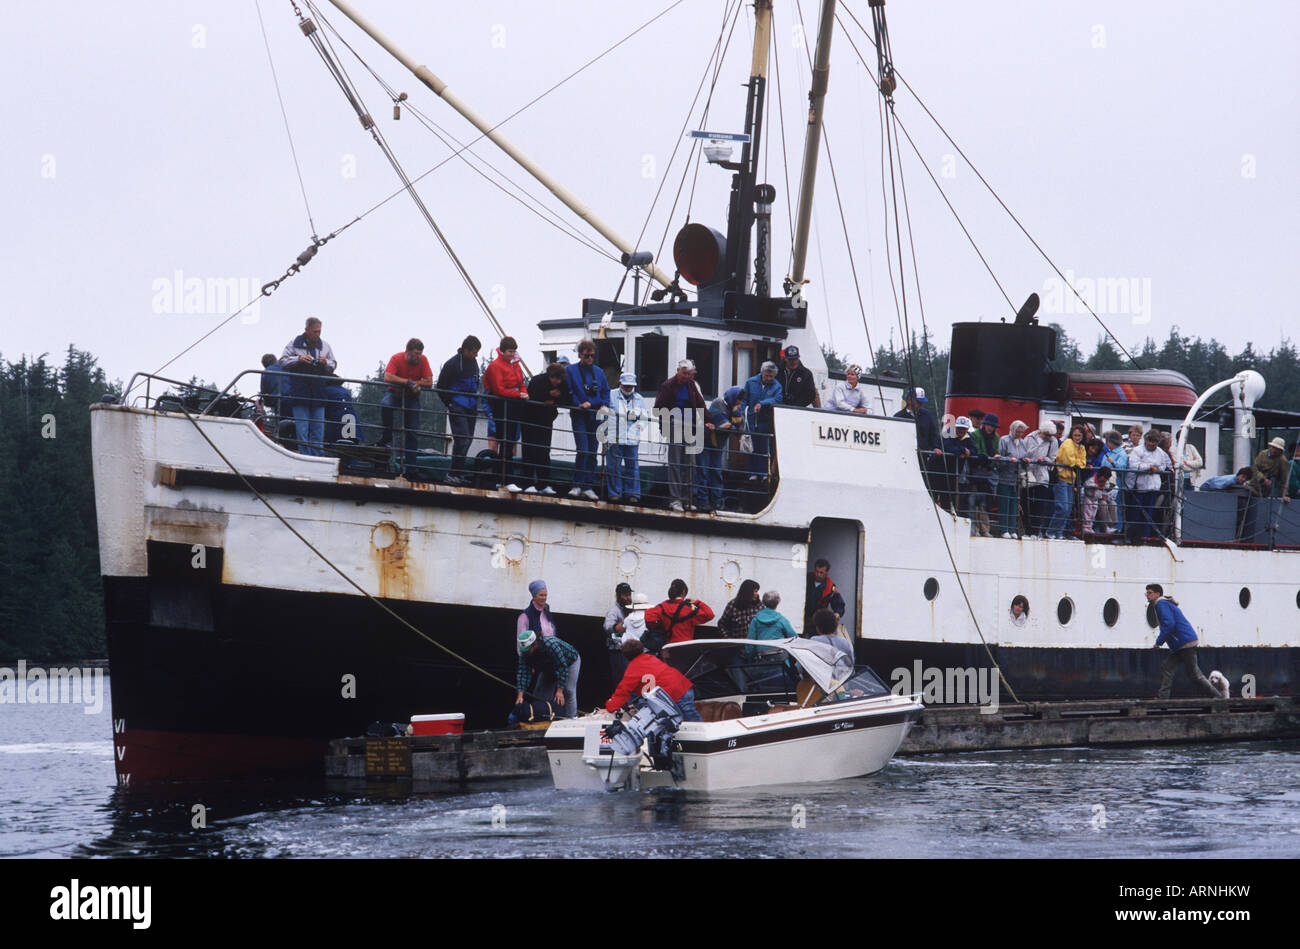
847, 435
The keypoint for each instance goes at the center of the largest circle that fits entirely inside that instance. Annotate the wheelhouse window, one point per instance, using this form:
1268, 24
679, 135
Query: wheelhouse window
651, 362
704, 353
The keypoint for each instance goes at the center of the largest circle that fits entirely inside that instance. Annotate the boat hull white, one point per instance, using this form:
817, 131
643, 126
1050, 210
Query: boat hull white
826, 743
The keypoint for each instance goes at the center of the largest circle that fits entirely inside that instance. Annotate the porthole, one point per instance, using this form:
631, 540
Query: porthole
1297, 599
1065, 611
1110, 612
1152, 620
931, 588
1244, 597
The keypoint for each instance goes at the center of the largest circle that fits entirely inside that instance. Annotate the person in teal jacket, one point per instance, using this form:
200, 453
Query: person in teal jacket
768, 623
1178, 632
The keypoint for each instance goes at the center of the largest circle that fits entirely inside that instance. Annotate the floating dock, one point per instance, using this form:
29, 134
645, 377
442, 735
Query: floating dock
440, 760
1099, 724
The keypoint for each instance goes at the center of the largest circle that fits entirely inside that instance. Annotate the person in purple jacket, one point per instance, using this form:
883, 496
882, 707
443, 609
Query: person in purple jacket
1175, 628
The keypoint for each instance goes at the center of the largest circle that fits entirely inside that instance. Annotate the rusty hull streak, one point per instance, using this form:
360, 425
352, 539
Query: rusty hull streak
392, 563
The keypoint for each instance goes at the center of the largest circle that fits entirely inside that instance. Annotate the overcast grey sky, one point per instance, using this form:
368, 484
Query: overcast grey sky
1152, 143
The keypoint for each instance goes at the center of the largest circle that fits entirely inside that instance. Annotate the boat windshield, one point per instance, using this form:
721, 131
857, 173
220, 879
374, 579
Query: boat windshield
864, 684
732, 669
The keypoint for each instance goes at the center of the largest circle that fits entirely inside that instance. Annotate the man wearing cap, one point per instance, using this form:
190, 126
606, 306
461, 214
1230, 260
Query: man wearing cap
958, 452
557, 665
615, 627
927, 442
721, 418
1272, 469
536, 615
798, 386
621, 432
679, 398
761, 392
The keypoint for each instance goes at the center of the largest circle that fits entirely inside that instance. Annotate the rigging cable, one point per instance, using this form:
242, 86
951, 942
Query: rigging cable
329, 563
462, 151
285, 115
997, 198
321, 43
844, 224
696, 147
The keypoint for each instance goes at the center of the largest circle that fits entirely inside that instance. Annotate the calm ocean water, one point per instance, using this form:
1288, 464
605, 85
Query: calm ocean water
58, 798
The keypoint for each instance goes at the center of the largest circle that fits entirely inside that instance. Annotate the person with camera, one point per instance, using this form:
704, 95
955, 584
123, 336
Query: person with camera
678, 397
546, 390
623, 438
406, 374
589, 390
309, 360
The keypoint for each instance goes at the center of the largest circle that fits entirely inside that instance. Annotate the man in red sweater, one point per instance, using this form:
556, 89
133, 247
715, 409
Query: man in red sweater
503, 381
644, 674
678, 614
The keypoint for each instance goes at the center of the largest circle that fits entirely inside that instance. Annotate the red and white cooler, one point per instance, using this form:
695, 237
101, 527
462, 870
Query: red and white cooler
450, 723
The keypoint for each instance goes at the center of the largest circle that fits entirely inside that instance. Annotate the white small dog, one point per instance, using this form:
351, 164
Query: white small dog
1220, 682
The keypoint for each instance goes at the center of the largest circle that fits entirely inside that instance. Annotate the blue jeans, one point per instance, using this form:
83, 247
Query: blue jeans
708, 479
687, 704
584, 437
623, 472
309, 420
1064, 496
410, 408
546, 690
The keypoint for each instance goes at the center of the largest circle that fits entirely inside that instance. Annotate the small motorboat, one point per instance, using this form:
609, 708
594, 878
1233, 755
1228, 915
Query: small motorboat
774, 712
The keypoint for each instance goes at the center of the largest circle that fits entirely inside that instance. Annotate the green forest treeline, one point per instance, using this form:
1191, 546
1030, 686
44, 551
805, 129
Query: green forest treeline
51, 604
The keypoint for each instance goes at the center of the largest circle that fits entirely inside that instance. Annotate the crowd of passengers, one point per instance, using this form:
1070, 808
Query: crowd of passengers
521, 413
1046, 484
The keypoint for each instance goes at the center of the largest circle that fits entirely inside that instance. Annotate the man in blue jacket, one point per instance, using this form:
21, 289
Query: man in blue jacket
589, 391
761, 393
457, 386
1182, 642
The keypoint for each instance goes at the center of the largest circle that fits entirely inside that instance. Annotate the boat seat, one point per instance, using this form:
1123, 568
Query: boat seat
718, 711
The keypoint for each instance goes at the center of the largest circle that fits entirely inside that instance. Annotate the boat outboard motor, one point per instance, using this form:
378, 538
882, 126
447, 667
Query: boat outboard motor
654, 719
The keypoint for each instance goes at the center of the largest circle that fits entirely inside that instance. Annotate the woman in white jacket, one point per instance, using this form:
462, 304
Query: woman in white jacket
848, 396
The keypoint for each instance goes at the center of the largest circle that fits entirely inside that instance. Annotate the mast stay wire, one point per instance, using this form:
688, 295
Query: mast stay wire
696, 149
1038, 247
321, 43
844, 223
962, 224
916, 274
463, 152
316, 244
943, 534
329, 563
275, 79
681, 136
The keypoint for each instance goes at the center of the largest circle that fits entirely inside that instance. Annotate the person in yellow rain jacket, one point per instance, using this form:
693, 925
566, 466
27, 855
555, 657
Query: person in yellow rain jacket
1070, 460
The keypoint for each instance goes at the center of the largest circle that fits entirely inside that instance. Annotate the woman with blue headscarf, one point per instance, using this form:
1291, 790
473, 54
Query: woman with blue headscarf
536, 615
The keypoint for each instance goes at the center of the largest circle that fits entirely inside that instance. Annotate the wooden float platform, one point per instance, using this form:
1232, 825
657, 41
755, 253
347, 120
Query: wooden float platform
1099, 724
442, 760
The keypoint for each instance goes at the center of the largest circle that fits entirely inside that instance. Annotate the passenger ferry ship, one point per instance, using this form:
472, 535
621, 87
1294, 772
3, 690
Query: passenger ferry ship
234, 648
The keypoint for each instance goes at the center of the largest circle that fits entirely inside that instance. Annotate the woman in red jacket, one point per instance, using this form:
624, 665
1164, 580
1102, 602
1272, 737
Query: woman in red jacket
503, 381
644, 674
